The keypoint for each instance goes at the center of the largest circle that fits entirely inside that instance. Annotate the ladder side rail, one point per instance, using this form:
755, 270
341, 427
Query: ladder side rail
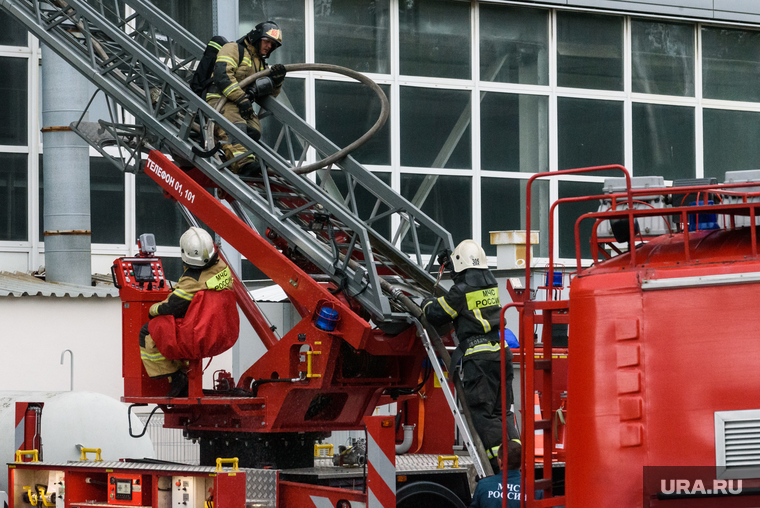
527, 372
176, 32
375, 186
377, 303
366, 178
444, 382
547, 394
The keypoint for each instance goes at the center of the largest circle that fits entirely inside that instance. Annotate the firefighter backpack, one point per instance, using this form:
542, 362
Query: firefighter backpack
204, 73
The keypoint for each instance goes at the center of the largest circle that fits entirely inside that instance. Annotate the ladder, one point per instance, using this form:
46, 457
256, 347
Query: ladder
142, 62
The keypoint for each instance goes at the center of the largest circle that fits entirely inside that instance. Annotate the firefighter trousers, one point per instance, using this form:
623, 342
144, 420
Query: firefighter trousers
482, 390
231, 148
155, 363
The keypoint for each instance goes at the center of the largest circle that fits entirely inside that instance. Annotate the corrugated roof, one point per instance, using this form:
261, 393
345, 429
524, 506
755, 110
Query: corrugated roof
273, 293
22, 284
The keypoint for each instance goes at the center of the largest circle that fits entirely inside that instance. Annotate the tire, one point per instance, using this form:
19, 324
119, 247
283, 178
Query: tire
425, 494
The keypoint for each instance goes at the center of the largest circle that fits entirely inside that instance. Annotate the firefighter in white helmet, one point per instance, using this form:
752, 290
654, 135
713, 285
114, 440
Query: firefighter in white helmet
203, 271
473, 305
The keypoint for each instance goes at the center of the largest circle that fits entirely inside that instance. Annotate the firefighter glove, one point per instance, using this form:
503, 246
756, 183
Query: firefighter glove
246, 109
277, 73
427, 301
444, 259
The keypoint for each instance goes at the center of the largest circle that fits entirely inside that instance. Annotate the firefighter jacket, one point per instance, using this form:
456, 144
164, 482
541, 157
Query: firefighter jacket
216, 277
230, 70
473, 305
199, 319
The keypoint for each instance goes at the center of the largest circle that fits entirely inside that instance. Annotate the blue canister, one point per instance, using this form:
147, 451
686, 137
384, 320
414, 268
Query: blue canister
556, 280
705, 220
327, 319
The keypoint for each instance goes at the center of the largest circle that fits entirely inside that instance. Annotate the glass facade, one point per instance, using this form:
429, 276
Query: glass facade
729, 64
13, 189
354, 34
483, 95
589, 51
345, 111
514, 45
590, 133
662, 58
435, 128
663, 141
434, 38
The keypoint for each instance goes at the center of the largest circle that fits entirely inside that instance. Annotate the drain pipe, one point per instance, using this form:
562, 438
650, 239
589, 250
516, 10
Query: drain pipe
66, 166
408, 438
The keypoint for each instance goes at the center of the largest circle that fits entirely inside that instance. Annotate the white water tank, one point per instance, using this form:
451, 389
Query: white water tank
92, 420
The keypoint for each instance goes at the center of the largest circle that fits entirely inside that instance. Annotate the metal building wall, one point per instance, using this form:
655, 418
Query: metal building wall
746, 11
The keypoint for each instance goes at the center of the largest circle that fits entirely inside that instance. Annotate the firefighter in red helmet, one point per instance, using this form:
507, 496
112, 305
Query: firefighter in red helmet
235, 62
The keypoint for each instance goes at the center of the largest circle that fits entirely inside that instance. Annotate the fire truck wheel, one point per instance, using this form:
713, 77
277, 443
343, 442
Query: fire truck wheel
427, 495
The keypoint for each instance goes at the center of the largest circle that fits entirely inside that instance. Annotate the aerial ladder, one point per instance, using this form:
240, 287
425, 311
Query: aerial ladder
324, 247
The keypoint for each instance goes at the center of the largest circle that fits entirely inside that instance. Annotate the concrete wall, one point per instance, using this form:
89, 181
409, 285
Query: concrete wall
716, 10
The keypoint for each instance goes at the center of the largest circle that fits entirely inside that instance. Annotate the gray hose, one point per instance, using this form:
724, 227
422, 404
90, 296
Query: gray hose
358, 76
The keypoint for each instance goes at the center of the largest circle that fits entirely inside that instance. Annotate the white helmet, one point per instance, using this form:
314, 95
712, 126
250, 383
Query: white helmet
197, 247
468, 254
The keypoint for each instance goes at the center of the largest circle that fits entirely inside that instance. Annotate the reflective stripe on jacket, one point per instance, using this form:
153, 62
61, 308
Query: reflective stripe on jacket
216, 277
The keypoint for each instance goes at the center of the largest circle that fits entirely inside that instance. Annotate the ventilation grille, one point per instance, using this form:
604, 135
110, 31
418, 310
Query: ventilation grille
742, 443
737, 443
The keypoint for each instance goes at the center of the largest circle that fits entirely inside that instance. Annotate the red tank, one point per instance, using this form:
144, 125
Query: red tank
657, 349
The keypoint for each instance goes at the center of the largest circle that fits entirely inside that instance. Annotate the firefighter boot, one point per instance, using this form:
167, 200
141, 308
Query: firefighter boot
178, 384
249, 167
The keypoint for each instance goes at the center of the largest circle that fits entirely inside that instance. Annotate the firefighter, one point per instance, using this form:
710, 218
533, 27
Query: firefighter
235, 62
203, 271
473, 305
489, 491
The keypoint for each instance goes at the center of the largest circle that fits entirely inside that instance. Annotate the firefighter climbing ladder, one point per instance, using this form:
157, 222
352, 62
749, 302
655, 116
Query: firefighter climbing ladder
143, 60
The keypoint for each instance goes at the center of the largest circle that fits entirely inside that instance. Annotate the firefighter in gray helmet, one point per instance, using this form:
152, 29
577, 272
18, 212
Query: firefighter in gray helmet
473, 305
235, 62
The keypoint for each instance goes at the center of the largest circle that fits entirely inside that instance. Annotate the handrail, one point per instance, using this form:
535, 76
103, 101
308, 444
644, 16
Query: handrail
96, 451
34, 453
630, 212
683, 211
503, 360
233, 461
551, 216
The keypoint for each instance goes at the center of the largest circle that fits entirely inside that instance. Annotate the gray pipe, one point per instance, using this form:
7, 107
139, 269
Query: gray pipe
66, 164
408, 438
